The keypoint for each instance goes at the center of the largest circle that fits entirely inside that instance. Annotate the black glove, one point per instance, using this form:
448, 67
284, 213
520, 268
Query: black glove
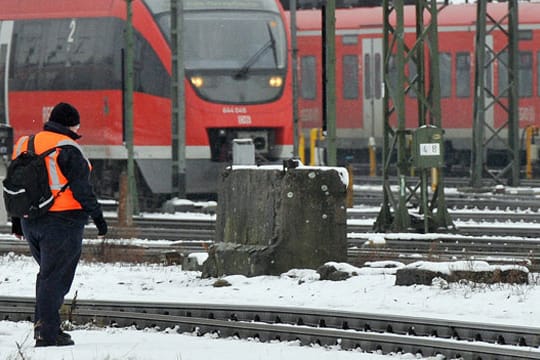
100, 224
16, 228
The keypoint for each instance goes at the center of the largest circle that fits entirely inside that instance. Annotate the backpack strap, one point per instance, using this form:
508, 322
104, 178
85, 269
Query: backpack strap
30, 147
31, 150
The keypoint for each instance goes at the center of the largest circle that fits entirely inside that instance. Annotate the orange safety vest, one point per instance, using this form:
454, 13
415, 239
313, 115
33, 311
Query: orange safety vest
43, 141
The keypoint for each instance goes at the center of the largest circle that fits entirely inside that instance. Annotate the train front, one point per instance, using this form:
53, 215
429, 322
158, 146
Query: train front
238, 86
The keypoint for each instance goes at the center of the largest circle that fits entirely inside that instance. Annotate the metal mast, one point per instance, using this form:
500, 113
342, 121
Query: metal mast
130, 201
329, 80
178, 121
488, 133
423, 84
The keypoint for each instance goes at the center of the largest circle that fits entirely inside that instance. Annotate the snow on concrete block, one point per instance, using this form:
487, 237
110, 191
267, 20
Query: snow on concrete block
423, 273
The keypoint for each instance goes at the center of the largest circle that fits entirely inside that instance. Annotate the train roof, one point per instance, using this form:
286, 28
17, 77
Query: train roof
14, 10
271, 5
58, 8
159, 6
451, 15
39, 9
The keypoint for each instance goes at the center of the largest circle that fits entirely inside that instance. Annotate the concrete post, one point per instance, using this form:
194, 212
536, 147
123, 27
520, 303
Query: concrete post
272, 219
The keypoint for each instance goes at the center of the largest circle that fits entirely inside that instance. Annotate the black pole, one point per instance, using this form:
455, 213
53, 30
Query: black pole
323, 44
123, 65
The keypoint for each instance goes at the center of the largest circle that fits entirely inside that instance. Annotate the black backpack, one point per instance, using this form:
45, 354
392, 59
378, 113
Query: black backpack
27, 193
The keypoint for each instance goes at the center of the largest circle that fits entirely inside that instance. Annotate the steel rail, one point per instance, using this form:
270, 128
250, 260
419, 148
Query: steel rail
350, 330
450, 181
463, 200
510, 223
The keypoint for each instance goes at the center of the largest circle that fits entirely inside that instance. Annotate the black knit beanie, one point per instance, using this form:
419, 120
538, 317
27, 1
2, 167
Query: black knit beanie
65, 114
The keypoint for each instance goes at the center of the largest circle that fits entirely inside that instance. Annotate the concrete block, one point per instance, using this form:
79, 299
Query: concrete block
279, 218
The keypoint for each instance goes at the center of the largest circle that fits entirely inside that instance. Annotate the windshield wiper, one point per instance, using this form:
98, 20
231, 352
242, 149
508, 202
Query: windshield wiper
270, 44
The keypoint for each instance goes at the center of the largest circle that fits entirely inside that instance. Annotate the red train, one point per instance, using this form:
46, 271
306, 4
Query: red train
359, 65
237, 85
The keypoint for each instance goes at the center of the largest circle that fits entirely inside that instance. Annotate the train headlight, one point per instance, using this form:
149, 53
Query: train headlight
275, 81
197, 81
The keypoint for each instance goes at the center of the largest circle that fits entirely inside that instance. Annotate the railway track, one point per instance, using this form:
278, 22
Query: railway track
507, 252
473, 237
525, 200
481, 236
469, 222
464, 181
387, 334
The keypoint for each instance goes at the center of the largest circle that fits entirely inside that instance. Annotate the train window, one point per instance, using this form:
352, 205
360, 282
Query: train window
27, 43
463, 75
71, 45
489, 73
368, 91
412, 78
80, 54
525, 74
349, 39
308, 78
58, 54
445, 74
378, 76
150, 75
503, 74
538, 71
392, 74
25, 54
259, 41
373, 76
350, 77
525, 35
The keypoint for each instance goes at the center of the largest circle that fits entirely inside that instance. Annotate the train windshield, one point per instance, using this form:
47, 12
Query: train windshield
225, 40
231, 56
241, 42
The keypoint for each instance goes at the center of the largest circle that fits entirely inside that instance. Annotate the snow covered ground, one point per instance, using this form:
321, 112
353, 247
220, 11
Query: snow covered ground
372, 290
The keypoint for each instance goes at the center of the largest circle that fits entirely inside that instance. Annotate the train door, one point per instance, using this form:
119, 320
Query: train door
6, 29
372, 57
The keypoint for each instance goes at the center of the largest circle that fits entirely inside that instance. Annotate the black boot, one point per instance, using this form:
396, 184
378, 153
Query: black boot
62, 339
64, 334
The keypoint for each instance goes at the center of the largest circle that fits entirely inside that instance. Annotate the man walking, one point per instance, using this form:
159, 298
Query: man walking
55, 239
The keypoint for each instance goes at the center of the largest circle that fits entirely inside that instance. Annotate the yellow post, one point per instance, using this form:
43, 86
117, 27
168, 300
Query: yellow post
434, 178
350, 190
372, 157
301, 148
531, 153
314, 135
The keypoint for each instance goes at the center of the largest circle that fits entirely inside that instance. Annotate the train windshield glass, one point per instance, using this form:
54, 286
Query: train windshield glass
242, 42
234, 41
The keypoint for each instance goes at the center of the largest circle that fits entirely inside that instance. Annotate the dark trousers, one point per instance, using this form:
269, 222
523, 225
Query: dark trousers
55, 241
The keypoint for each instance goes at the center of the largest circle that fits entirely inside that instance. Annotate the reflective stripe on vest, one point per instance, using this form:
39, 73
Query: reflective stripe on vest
43, 141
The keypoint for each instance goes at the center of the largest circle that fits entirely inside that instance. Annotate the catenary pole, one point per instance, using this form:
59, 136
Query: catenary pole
294, 48
178, 125
131, 198
502, 100
421, 54
329, 106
